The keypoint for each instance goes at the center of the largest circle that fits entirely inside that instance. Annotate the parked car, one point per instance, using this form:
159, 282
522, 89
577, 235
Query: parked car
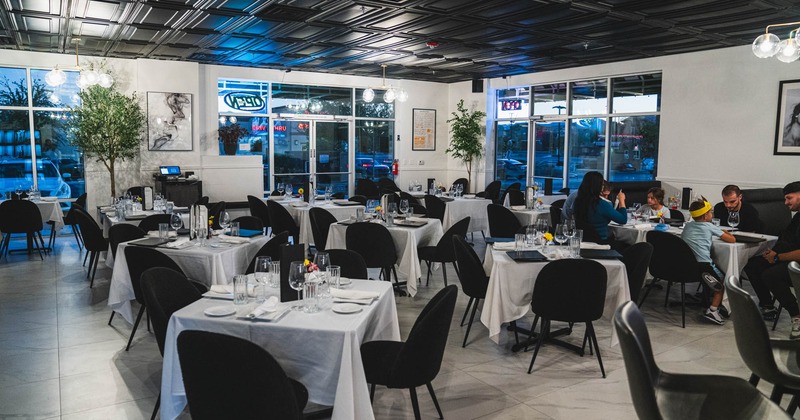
367, 168
511, 169
16, 173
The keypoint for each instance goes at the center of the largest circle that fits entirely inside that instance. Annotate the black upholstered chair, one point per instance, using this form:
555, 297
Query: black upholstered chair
150, 223
215, 391
435, 207
202, 201
69, 218
443, 252
139, 259
338, 195
502, 221
558, 203
351, 263
367, 188
555, 216
662, 395
474, 281
21, 216
416, 361
270, 249
165, 291
464, 183
282, 221
411, 199
673, 261
374, 243
492, 192
772, 211
388, 184
214, 211
259, 209
773, 360
359, 199
418, 209
636, 259
321, 220
93, 241
249, 223
515, 186
555, 299
515, 198
137, 191
123, 232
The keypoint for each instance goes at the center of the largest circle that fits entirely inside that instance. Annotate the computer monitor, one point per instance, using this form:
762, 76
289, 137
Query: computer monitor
171, 170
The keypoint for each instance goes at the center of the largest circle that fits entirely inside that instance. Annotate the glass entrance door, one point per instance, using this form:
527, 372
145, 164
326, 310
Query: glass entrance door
331, 152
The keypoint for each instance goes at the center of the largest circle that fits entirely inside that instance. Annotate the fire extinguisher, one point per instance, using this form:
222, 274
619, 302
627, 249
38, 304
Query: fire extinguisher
395, 167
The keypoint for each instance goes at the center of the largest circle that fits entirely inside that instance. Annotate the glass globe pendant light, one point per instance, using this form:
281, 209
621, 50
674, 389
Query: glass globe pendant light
766, 45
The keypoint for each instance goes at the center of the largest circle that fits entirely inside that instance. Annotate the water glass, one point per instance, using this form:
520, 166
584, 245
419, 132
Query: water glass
530, 236
359, 215
202, 236
335, 276
234, 228
519, 242
715, 221
310, 295
275, 274
575, 244
163, 231
297, 278
261, 274
240, 289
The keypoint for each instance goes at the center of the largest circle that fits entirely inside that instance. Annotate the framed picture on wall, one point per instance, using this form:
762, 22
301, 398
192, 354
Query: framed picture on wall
787, 132
424, 130
169, 121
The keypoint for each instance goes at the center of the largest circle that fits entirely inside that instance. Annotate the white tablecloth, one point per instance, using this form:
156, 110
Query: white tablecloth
546, 199
321, 350
529, 217
109, 221
51, 212
301, 217
204, 264
510, 291
406, 240
460, 208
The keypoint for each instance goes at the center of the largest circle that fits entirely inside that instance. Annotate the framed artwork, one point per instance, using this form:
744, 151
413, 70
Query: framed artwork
787, 132
424, 132
169, 121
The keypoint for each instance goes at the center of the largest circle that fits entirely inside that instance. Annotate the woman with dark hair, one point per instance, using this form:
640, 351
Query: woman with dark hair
592, 214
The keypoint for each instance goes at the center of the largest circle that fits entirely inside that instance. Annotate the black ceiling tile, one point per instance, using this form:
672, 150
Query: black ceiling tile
285, 13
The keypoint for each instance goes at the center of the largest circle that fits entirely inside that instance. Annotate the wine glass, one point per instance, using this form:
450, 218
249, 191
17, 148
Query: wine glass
281, 187
323, 261
404, 207
224, 220
569, 228
733, 219
297, 278
176, 221
561, 235
261, 274
289, 190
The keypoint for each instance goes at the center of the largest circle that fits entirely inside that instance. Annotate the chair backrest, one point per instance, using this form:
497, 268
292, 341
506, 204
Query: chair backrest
492, 191
636, 259
165, 291
417, 208
367, 188
421, 355
359, 199
752, 337
391, 196
677, 215
444, 248
123, 232
249, 223
258, 209
20, 216
281, 220
202, 201
502, 221
373, 242
672, 258
464, 182
137, 191
139, 259
339, 195
411, 199
351, 263
474, 280
772, 211
558, 203
214, 390
388, 184
555, 216
516, 197
640, 366
91, 233
214, 212
515, 186
270, 249
321, 220
81, 202
150, 223
554, 293
435, 207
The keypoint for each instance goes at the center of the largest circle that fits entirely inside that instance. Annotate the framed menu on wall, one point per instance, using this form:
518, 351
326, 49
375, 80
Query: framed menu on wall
424, 121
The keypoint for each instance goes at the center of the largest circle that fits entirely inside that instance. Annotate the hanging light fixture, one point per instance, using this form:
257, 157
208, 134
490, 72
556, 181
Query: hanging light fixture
88, 77
390, 93
770, 45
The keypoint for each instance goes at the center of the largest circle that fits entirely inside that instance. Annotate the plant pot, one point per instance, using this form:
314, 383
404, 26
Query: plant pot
230, 148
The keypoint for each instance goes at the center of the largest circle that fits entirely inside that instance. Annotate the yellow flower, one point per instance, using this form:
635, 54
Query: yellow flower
539, 200
535, 187
300, 191
306, 262
548, 236
660, 214
377, 208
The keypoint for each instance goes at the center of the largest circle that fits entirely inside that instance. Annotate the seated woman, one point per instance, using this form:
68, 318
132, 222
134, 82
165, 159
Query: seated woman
593, 214
655, 204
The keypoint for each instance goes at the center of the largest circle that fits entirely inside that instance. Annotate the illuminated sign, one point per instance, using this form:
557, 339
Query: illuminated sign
244, 101
511, 105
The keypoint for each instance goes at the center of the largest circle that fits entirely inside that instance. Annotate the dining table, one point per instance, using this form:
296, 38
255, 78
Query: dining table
457, 208
528, 217
320, 350
51, 214
300, 211
406, 240
215, 263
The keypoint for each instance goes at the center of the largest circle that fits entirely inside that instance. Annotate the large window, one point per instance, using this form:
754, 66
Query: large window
245, 103
374, 149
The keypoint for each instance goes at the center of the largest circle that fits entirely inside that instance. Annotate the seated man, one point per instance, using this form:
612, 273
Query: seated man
732, 202
772, 268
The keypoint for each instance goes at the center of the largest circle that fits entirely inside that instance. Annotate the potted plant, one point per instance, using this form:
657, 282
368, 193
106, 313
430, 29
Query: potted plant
230, 135
466, 143
107, 126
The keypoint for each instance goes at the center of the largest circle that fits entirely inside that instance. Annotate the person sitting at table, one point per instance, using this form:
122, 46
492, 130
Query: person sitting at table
749, 220
606, 191
569, 204
592, 214
698, 236
655, 205
772, 267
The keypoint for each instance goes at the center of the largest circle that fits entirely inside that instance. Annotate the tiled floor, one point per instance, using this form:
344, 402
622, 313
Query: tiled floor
60, 359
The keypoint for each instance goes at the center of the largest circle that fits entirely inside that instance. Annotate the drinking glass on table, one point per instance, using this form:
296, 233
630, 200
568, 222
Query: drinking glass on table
297, 278
261, 274
224, 220
176, 221
323, 262
289, 190
560, 235
404, 207
281, 187
733, 219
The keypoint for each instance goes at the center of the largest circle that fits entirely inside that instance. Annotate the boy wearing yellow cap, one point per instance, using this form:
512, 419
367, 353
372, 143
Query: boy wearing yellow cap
698, 235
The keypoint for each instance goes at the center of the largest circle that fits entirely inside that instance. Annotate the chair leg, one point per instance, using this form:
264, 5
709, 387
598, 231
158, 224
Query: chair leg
683, 305
444, 273
777, 317
646, 292
471, 319
428, 277
84, 259
32, 240
533, 328
41, 241
542, 335
371, 393
77, 236
666, 296
112, 317
135, 324
464, 318
777, 394
89, 254
754, 379
414, 403
792, 406
593, 339
435, 401
155, 409
94, 267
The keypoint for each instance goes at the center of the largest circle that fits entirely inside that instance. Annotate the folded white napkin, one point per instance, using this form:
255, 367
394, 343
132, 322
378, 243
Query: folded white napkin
521, 207
592, 245
417, 219
49, 198
223, 289
469, 196
353, 294
154, 234
271, 305
643, 226
505, 246
299, 204
178, 243
233, 239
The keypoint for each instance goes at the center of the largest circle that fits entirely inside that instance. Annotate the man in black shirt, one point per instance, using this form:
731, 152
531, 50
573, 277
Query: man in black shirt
772, 267
732, 202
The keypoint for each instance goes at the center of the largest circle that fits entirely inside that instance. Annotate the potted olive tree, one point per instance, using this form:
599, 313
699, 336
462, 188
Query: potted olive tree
465, 143
107, 126
230, 135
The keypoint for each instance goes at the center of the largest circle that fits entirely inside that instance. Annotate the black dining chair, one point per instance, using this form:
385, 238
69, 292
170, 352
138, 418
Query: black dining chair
202, 201
215, 391
491, 192
367, 188
474, 281
358, 199
388, 184
443, 252
657, 394
771, 359
165, 291
558, 203
555, 216
249, 223
351, 263
435, 207
137, 191
69, 218
259, 209
555, 299
150, 223
123, 232
375, 244
515, 198
338, 195
321, 220
93, 241
502, 221
214, 211
418, 209
411, 199
636, 259
270, 249
415, 362
139, 259
282, 221
21, 216
464, 184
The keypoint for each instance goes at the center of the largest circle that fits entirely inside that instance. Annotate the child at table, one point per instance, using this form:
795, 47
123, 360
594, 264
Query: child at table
698, 235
